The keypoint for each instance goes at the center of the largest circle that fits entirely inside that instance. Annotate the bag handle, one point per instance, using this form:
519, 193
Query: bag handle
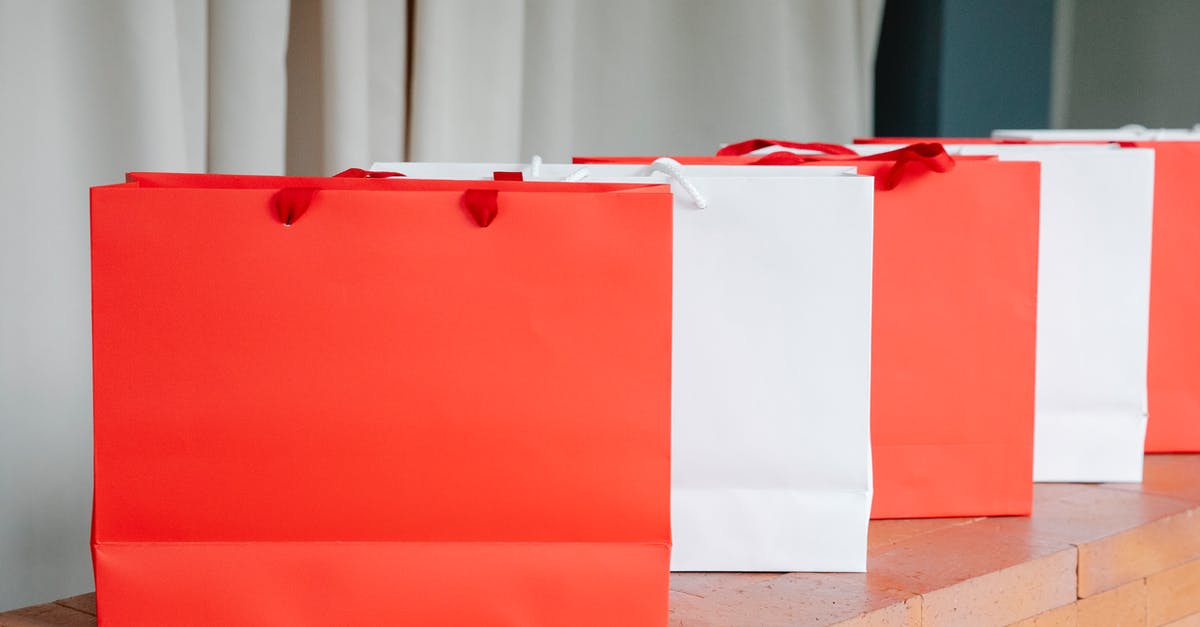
292, 202
359, 173
667, 166
750, 145
674, 169
482, 205
928, 156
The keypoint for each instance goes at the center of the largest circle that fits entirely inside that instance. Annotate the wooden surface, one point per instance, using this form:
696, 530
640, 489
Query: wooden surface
1107, 554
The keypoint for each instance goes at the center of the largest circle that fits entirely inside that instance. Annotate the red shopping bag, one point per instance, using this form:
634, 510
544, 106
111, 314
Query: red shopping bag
1173, 360
953, 327
1173, 369
423, 403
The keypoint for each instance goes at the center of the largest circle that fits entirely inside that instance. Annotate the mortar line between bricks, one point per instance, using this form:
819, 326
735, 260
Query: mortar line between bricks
1146, 601
73, 609
970, 521
1171, 497
1073, 548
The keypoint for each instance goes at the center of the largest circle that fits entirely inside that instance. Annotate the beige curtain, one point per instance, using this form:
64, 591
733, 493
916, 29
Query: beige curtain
95, 88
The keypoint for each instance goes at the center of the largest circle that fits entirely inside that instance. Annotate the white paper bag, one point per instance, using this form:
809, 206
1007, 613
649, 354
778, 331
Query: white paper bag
1132, 132
771, 376
1093, 306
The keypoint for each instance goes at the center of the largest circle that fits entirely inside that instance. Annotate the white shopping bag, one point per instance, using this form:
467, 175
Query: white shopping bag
1093, 306
1133, 132
772, 319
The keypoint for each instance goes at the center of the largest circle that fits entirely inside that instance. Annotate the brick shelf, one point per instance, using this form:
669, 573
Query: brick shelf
1102, 554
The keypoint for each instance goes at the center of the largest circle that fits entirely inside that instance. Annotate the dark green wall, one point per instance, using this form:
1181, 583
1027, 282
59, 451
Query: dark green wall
963, 67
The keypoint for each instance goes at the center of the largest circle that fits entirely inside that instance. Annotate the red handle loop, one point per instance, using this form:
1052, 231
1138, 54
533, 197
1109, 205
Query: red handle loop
359, 173
929, 156
482, 205
750, 145
292, 202
784, 157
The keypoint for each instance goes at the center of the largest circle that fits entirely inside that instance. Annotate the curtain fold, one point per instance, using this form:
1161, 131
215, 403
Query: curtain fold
246, 86
95, 89
558, 77
467, 78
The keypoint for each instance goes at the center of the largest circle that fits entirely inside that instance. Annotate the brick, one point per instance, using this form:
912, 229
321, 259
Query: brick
703, 585
932, 561
1120, 607
907, 614
1173, 594
1110, 562
1005, 596
1065, 616
1167, 475
884, 533
1079, 514
48, 615
85, 603
787, 599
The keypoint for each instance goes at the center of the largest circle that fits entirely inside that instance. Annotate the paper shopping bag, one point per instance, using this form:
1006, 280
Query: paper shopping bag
1129, 132
1173, 370
423, 402
1093, 306
771, 367
953, 316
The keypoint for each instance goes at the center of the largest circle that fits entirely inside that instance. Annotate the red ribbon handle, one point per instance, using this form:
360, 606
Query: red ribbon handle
359, 173
784, 157
928, 156
292, 202
482, 205
750, 145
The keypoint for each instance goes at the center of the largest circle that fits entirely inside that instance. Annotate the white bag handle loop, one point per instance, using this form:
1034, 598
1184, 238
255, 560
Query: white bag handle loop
674, 169
1152, 134
666, 165
577, 175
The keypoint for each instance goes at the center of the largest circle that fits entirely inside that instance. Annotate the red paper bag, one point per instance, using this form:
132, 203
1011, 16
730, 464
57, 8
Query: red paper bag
1173, 360
1173, 369
422, 403
953, 328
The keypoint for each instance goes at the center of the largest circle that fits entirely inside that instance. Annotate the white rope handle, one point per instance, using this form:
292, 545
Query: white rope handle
674, 169
535, 166
577, 175
666, 165
1152, 134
